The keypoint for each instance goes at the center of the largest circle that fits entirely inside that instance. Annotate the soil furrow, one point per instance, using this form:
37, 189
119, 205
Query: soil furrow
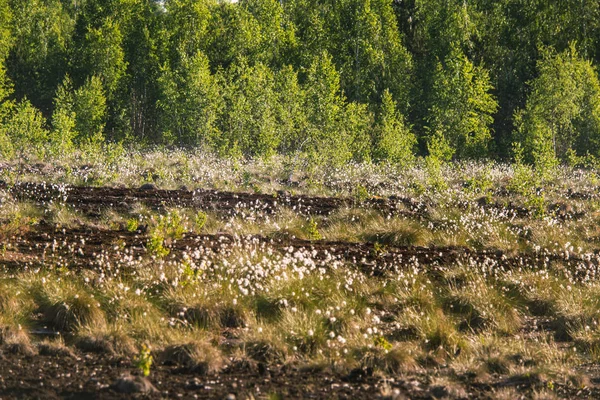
81, 246
92, 200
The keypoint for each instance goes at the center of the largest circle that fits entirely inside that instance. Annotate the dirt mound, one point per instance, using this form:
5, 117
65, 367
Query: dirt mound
91, 200
81, 247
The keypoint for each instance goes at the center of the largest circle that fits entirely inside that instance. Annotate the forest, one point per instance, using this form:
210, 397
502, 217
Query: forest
334, 80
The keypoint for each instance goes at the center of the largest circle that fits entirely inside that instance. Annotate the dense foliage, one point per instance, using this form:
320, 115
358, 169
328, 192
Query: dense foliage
334, 80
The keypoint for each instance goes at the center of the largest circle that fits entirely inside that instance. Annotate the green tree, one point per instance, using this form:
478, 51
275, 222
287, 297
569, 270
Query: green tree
462, 105
6, 41
357, 125
312, 21
26, 130
363, 38
38, 60
6, 20
433, 29
233, 33
190, 102
588, 122
6, 90
393, 140
442, 25
378, 60
249, 123
291, 119
145, 31
98, 50
5, 85
276, 33
562, 113
327, 141
6, 146
188, 24
439, 152
509, 36
63, 132
89, 105
103, 55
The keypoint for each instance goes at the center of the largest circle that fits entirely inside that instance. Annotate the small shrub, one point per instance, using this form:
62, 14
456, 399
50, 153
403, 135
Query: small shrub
155, 244
311, 230
382, 342
201, 219
170, 226
481, 184
143, 361
132, 225
190, 275
361, 194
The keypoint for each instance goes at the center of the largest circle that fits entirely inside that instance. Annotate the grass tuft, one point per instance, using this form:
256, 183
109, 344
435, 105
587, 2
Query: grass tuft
112, 343
199, 356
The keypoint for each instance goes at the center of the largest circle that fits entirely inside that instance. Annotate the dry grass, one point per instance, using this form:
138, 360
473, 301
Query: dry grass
199, 356
111, 341
55, 348
66, 306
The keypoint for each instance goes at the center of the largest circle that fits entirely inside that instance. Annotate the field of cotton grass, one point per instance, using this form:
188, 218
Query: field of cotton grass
171, 273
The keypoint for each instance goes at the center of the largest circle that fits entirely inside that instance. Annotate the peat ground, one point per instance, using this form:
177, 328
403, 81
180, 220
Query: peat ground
80, 373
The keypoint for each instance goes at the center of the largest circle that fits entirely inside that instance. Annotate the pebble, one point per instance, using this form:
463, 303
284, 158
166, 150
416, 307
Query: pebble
129, 384
148, 186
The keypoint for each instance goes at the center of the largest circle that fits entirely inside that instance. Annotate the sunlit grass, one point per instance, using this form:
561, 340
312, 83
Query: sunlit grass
255, 285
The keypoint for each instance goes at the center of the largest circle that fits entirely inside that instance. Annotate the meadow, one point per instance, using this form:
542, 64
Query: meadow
170, 273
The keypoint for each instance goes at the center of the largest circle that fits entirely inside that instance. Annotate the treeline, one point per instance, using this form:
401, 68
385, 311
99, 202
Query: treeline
334, 79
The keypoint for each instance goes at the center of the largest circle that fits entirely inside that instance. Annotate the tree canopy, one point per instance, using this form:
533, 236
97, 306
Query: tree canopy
379, 80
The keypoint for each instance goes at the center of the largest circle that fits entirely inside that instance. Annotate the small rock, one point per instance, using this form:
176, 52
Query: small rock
195, 384
21, 348
133, 384
358, 374
483, 201
439, 391
148, 186
230, 396
262, 369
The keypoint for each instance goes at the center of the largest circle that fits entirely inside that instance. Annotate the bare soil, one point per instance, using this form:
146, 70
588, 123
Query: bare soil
91, 375
94, 376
